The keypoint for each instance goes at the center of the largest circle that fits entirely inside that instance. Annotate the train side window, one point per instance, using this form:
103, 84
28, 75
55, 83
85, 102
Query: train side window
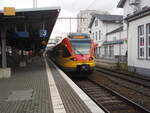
60, 51
66, 52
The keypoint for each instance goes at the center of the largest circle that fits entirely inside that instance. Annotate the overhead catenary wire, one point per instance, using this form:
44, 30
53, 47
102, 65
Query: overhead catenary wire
88, 7
71, 19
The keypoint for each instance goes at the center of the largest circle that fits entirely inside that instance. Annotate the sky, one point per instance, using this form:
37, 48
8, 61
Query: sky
69, 8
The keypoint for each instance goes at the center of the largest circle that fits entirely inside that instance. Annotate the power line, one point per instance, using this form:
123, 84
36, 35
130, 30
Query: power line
90, 4
70, 18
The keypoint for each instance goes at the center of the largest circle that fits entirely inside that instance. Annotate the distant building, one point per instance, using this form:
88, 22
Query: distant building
137, 22
102, 25
84, 18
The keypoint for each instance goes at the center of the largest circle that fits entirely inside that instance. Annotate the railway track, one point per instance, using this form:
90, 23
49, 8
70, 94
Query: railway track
109, 100
143, 81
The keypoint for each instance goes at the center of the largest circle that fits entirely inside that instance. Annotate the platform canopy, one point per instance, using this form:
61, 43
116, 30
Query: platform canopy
29, 28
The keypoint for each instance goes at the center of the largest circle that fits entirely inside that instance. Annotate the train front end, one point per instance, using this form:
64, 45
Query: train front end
81, 48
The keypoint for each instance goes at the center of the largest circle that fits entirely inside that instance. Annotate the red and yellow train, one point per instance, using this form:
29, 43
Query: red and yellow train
75, 53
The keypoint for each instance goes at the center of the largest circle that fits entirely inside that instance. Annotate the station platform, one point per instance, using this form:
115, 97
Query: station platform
42, 87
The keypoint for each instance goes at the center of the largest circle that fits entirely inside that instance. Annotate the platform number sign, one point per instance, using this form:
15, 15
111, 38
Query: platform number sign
43, 33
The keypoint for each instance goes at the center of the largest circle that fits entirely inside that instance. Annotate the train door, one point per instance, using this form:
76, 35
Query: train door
60, 51
65, 55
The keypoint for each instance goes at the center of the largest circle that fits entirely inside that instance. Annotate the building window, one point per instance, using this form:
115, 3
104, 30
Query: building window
148, 40
99, 34
141, 41
83, 20
96, 22
96, 35
106, 51
114, 38
111, 51
99, 51
93, 35
95, 52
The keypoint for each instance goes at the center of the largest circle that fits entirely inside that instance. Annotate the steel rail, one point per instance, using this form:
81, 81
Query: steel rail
136, 80
123, 98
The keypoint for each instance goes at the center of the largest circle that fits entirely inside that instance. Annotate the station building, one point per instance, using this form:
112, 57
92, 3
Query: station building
106, 31
137, 24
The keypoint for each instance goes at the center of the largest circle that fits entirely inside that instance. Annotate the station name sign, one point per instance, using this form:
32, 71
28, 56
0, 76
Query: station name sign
43, 33
9, 11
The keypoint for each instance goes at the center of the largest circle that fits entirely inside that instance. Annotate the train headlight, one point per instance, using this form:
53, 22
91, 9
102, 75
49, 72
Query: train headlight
91, 58
73, 59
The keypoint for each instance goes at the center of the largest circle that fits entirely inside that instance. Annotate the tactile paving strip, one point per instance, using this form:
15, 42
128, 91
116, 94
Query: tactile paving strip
71, 101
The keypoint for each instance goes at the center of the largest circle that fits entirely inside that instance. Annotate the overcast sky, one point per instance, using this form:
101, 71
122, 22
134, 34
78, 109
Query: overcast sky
68, 8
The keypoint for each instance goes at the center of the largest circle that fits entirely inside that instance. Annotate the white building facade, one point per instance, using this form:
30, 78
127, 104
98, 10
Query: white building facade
84, 18
137, 17
100, 25
116, 45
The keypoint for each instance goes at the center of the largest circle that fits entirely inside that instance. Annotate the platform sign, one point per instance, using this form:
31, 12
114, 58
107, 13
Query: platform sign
21, 35
43, 33
9, 11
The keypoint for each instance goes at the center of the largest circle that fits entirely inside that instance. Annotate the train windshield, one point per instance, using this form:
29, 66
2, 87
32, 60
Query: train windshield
81, 46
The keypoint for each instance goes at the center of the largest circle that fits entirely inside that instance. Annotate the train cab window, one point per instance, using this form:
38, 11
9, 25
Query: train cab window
66, 52
81, 46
